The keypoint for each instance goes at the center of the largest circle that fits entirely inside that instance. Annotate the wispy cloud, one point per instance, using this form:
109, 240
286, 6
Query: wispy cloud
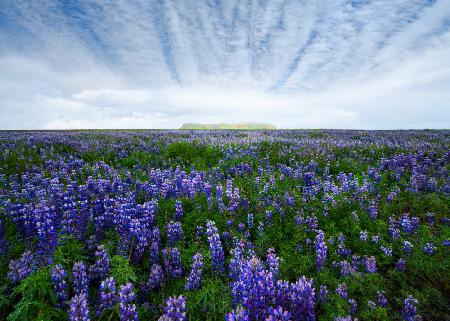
350, 64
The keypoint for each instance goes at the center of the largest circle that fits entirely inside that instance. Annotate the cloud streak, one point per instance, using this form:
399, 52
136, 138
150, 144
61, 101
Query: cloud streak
140, 64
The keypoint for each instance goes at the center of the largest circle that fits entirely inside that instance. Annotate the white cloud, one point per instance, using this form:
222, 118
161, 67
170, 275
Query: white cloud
134, 64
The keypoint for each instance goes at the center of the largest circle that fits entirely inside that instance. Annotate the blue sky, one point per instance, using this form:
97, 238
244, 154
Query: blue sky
156, 64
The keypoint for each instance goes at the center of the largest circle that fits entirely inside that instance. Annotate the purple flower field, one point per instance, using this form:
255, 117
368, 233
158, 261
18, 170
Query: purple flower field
225, 225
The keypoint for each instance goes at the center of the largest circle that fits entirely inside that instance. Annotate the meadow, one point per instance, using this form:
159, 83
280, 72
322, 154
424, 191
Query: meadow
225, 225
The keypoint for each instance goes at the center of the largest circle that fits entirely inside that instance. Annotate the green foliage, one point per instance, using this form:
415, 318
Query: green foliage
121, 270
37, 298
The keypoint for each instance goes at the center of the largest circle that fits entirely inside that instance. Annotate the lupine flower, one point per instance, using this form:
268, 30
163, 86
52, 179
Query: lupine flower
250, 220
199, 232
194, 278
21, 268
323, 294
429, 249
254, 288
155, 278
407, 247
178, 211
321, 250
108, 296
215, 247
400, 265
302, 300
363, 235
386, 250
172, 262
80, 279
278, 314
174, 232
341, 290
409, 312
373, 210
100, 268
58, 276
155, 245
175, 309
79, 310
273, 263
381, 299
237, 315
126, 308
353, 306
371, 264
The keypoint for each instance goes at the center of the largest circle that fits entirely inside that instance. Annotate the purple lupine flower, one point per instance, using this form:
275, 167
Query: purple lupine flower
387, 250
58, 276
273, 263
375, 238
199, 232
19, 269
100, 268
172, 262
342, 251
323, 294
174, 232
126, 308
269, 217
321, 250
363, 235
195, 277
353, 306
407, 247
178, 211
79, 309
409, 312
373, 210
302, 299
341, 290
381, 299
401, 265
80, 278
175, 309
237, 315
254, 288
108, 295
155, 278
278, 314
250, 220
215, 247
429, 249
371, 264
346, 268
155, 245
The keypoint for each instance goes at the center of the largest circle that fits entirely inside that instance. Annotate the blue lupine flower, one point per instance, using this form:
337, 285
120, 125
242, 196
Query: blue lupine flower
126, 308
195, 277
215, 247
108, 295
79, 310
59, 276
175, 309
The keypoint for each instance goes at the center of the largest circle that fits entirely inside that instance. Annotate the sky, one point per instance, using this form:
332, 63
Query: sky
381, 64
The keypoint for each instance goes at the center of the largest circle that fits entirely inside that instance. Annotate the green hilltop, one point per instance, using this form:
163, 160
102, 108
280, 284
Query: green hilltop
228, 126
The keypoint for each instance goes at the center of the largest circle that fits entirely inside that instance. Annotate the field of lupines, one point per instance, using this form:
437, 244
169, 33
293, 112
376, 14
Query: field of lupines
225, 225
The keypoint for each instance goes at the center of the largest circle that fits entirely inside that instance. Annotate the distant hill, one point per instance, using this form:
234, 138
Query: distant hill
228, 126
